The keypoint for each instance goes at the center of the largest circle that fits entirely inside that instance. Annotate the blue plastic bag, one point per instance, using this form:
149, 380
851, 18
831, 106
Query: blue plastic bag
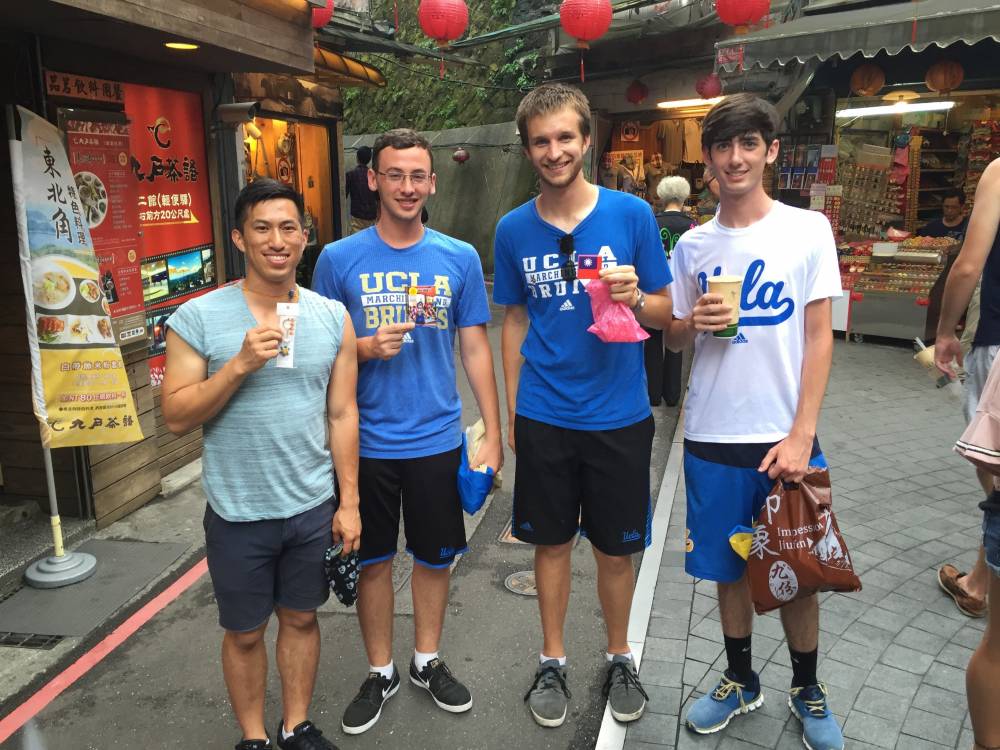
473, 486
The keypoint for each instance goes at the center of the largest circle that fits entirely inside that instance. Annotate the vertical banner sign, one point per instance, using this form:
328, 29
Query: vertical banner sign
99, 154
169, 167
80, 388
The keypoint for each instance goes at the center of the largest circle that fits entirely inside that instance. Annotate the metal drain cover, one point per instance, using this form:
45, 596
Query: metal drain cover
522, 583
29, 640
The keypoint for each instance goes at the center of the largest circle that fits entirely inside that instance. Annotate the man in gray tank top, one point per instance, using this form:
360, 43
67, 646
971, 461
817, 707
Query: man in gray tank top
269, 370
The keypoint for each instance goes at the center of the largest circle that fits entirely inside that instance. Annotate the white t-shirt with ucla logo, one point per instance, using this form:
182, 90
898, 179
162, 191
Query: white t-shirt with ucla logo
746, 389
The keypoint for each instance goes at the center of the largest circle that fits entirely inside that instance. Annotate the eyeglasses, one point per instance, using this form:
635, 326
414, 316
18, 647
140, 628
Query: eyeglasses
568, 269
395, 176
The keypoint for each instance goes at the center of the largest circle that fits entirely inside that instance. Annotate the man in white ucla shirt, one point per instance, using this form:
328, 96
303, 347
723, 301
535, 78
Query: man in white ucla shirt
754, 399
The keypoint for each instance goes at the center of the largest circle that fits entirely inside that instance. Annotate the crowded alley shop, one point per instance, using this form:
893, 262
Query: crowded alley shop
889, 141
134, 109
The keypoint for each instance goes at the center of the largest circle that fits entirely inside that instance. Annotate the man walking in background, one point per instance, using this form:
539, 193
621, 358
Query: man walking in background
980, 258
363, 200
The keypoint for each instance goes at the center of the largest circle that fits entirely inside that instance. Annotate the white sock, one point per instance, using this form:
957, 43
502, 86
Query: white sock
611, 657
542, 658
285, 735
385, 671
421, 659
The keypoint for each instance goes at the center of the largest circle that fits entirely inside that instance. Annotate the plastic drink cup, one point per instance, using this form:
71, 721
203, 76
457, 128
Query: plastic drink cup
729, 287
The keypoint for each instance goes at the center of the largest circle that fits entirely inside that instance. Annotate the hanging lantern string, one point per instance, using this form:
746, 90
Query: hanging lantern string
395, 13
583, 77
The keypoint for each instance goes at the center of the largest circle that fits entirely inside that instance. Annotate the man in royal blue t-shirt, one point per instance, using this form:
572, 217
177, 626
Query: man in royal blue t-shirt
409, 291
577, 407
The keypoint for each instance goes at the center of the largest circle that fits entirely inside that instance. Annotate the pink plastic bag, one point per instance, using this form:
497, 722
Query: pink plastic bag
613, 321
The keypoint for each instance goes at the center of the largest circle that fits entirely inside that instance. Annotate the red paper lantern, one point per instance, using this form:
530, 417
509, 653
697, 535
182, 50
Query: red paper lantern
460, 155
637, 92
443, 20
867, 80
742, 12
321, 16
585, 21
709, 87
944, 77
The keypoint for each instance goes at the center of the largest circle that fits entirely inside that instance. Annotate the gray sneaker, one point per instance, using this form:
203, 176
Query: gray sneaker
548, 696
623, 690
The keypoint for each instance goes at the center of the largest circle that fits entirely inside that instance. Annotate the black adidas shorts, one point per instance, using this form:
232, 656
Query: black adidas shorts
592, 481
427, 490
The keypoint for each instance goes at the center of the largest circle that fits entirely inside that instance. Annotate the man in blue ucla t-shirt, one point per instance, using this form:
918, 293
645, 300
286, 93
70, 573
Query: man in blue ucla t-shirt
577, 407
267, 469
409, 291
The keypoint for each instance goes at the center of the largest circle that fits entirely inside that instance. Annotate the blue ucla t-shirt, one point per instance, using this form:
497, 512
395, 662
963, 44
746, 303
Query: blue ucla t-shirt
570, 378
409, 405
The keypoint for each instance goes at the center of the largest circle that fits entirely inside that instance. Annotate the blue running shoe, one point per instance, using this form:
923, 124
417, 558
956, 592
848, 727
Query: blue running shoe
712, 712
820, 730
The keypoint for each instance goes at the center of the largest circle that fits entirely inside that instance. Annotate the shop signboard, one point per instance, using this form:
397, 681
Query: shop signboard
169, 166
86, 88
99, 155
80, 388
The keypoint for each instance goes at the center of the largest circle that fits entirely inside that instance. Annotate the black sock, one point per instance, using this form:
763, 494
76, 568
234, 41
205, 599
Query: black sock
738, 654
804, 667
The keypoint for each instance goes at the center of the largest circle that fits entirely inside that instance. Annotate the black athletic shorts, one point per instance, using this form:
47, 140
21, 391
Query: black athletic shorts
427, 490
259, 565
592, 481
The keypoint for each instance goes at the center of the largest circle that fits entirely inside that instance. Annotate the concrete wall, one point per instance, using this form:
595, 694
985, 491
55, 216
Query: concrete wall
471, 197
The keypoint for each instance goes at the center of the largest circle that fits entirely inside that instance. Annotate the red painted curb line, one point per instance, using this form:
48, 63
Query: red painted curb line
21, 715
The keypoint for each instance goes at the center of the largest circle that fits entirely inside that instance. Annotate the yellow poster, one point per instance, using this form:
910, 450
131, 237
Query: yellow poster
80, 387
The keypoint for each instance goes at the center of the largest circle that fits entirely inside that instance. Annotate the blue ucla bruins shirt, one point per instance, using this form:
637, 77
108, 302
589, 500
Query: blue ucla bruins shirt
570, 378
409, 405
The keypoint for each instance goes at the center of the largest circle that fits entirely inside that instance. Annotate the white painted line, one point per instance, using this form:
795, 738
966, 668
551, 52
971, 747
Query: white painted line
612, 734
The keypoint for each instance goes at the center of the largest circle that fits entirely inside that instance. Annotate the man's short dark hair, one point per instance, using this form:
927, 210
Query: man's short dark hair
265, 189
399, 139
738, 115
959, 194
364, 155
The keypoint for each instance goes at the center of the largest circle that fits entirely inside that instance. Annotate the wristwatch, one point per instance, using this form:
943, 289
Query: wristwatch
640, 300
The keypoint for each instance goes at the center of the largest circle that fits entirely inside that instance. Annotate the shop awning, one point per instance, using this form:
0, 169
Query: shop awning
336, 70
888, 28
349, 40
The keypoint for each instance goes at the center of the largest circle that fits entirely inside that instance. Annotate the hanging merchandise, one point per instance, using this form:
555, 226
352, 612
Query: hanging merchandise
709, 86
742, 13
585, 21
321, 16
637, 92
867, 80
444, 21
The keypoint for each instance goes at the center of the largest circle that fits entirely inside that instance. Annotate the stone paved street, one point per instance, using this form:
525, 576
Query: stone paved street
893, 655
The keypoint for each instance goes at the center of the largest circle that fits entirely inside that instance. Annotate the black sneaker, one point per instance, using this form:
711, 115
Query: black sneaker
304, 737
366, 708
437, 679
255, 745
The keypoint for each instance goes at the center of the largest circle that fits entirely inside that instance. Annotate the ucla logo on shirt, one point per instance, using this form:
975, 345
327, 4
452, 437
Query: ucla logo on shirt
757, 295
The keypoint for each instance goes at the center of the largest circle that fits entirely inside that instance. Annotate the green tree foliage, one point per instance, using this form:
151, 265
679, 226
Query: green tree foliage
416, 97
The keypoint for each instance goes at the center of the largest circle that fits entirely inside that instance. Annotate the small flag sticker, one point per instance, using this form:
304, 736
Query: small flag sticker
588, 266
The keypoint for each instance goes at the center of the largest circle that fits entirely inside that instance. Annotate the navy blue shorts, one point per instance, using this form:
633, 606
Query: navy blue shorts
724, 490
991, 538
259, 565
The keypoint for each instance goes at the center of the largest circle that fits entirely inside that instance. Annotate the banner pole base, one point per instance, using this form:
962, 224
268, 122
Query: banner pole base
53, 572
